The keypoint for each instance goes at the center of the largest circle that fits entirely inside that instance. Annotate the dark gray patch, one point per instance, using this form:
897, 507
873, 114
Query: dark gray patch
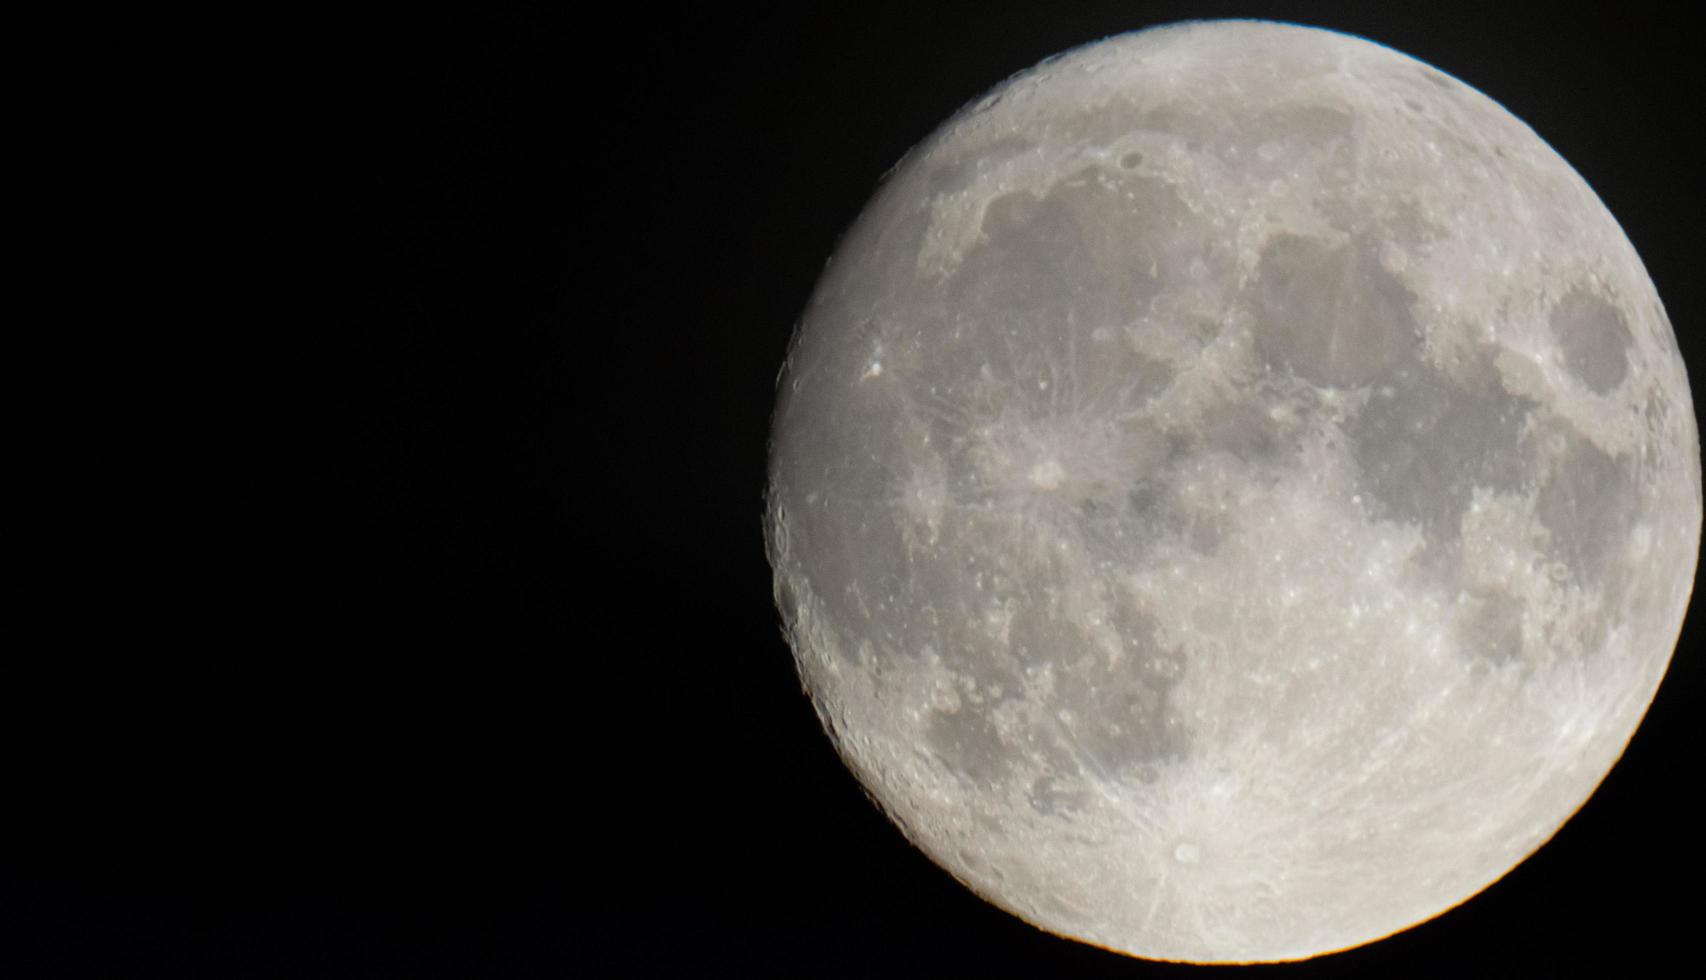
968, 743
1425, 441
1316, 127
1157, 513
1141, 378
787, 599
1148, 500
1131, 161
1587, 505
1492, 628
1123, 721
1242, 429
1331, 314
1110, 720
848, 563
1440, 79
1594, 337
1057, 260
1108, 529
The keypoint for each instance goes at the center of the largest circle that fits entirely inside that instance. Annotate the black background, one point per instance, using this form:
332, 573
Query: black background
479, 675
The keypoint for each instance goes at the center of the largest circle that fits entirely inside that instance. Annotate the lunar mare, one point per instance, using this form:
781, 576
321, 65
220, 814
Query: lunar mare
1234, 493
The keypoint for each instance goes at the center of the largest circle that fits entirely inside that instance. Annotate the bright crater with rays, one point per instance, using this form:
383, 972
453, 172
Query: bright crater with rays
1234, 493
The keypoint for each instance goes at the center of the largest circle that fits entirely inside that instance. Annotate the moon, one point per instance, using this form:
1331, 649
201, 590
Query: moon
1233, 494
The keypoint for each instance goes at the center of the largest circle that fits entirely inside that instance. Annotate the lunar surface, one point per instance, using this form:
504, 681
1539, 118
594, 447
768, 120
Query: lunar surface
1234, 493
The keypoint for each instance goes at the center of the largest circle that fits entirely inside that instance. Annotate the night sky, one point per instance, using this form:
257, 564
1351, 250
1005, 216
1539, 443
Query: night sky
481, 677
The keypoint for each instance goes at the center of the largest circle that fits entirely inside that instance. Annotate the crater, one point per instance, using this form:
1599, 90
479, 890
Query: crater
1593, 337
1057, 796
1064, 470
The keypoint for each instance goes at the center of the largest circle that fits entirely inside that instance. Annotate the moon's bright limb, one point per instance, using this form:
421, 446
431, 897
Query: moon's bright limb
1234, 493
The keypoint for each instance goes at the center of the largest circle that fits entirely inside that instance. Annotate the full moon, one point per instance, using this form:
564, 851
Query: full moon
1233, 493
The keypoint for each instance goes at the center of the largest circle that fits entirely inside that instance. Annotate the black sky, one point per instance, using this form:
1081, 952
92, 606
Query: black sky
484, 680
